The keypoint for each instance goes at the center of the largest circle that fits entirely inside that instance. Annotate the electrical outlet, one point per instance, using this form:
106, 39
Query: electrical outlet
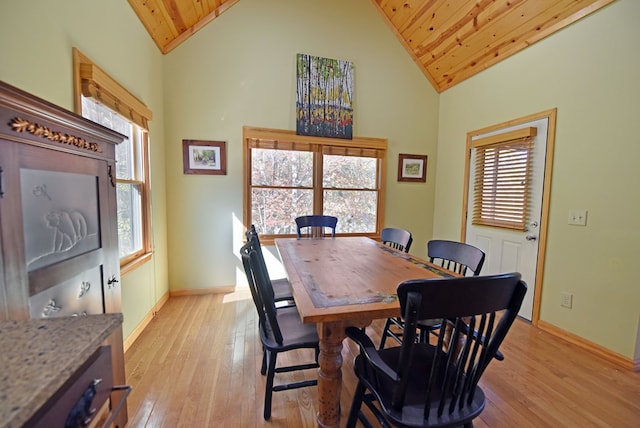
578, 217
566, 299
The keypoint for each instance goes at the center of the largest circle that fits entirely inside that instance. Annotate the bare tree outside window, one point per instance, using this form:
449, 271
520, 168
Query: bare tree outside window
288, 178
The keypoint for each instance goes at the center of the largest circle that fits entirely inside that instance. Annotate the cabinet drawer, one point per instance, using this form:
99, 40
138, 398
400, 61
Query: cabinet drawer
77, 394
80, 295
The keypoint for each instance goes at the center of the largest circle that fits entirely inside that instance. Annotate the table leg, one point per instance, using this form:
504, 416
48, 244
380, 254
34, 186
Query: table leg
330, 372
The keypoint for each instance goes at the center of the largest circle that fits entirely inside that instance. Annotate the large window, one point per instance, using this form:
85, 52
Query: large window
287, 175
104, 101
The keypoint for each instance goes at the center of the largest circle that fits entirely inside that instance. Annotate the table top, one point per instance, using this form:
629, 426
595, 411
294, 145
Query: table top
348, 278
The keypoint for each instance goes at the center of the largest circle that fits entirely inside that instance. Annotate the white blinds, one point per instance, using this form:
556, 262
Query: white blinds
503, 179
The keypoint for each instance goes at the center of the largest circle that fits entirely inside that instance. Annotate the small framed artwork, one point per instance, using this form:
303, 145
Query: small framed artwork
204, 157
412, 168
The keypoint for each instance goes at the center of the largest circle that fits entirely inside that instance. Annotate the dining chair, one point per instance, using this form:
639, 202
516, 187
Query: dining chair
281, 286
458, 257
281, 329
425, 385
314, 225
397, 238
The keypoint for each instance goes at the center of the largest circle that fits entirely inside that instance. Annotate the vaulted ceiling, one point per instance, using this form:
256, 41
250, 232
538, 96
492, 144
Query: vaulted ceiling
450, 40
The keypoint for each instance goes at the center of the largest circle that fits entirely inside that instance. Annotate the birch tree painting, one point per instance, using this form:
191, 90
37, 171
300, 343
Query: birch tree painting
324, 97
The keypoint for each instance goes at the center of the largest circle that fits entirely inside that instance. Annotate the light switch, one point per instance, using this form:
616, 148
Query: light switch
578, 217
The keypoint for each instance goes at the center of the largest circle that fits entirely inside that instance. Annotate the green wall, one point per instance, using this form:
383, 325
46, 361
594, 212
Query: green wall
241, 71
36, 41
589, 71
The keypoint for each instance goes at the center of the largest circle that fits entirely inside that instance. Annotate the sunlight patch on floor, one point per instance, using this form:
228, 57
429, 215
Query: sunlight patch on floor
242, 293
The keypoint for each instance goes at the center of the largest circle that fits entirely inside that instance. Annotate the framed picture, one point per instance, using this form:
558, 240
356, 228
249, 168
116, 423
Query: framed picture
412, 168
204, 157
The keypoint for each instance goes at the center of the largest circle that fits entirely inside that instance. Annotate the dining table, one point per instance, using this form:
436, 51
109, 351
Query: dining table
342, 282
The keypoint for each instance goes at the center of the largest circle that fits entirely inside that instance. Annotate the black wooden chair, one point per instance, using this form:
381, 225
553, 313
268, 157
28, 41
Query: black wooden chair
458, 257
280, 328
421, 384
313, 226
281, 286
397, 238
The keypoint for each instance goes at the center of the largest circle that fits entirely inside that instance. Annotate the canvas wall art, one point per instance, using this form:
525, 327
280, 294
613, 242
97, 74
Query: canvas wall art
324, 105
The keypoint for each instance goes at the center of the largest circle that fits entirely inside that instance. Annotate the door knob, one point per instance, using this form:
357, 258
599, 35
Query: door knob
531, 237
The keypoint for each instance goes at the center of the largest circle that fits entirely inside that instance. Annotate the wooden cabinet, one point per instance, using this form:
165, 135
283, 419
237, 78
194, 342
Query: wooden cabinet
58, 221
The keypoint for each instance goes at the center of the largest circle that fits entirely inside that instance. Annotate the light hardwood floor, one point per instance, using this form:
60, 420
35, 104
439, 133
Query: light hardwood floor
197, 365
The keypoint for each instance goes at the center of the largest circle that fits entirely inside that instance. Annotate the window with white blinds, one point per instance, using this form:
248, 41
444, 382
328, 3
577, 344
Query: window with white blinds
502, 179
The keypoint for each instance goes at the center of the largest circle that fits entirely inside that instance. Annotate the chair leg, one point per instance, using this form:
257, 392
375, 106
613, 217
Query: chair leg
263, 369
363, 419
385, 332
271, 372
424, 335
355, 405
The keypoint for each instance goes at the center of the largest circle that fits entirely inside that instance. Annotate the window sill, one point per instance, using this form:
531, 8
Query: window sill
135, 263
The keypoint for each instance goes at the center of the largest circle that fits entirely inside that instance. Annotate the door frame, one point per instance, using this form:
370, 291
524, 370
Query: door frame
546, 192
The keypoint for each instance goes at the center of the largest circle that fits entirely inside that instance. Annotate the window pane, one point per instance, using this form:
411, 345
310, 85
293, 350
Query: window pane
349, 172
129, 218
273, 211
112, 120
104, 116
125, 158
281, 168
356, 210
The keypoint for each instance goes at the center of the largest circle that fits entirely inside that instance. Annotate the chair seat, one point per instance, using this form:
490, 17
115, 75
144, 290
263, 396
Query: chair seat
435, 323
282, 289
413, 408
295, 334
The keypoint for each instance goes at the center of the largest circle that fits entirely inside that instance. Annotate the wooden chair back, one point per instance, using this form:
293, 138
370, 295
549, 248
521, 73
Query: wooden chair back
426, 384
245, 253
456, 256
397, 238
313, 226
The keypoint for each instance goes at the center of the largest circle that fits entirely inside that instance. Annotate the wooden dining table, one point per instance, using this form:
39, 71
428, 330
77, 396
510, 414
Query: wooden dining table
342, 282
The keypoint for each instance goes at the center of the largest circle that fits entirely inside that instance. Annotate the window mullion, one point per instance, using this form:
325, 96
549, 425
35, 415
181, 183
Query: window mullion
318, 182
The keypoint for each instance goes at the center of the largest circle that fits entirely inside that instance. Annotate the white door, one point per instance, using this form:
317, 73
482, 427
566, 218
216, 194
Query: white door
510, 250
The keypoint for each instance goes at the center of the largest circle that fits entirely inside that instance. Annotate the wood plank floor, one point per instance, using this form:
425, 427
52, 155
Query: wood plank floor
197, 365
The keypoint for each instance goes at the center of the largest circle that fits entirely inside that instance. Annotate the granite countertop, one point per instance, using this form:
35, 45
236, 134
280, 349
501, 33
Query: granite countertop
37, 356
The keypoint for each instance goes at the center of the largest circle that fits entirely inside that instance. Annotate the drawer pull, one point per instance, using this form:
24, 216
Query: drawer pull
117, 407
112, 281
51, 308
82, 412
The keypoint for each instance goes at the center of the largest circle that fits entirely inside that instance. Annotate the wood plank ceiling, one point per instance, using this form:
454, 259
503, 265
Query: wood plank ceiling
450, 40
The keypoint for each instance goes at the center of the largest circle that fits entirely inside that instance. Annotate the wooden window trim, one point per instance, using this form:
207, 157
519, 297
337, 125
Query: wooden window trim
91, 81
